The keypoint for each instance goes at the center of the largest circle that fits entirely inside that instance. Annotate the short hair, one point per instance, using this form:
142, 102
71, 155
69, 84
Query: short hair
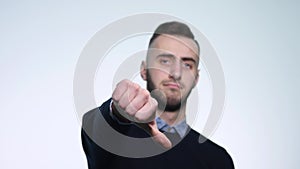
174, 28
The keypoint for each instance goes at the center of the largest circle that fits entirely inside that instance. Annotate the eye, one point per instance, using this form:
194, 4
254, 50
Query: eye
187, 65
165, 61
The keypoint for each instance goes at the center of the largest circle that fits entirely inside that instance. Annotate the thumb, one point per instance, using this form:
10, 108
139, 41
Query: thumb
157, 136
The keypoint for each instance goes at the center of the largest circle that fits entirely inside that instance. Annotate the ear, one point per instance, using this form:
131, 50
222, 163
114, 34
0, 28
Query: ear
143, 70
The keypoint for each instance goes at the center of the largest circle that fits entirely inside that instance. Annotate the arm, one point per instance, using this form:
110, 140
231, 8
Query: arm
137, 106
92, 125
131, 103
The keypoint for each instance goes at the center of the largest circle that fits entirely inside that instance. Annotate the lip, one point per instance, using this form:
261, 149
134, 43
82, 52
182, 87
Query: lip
172, 85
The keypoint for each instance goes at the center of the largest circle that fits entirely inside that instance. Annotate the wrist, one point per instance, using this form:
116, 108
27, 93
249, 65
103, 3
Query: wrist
117, 114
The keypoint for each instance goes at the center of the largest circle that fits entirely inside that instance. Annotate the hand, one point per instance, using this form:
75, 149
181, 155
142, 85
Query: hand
136, 104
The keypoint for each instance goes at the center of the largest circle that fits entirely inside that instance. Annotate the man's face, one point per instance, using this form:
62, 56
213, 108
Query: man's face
172, 67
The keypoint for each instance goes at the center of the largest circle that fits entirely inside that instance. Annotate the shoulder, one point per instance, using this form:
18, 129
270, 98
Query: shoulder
96, 119
100, 120
203, 141
94, 114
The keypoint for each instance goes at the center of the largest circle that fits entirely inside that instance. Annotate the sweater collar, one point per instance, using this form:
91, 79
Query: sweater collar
180, 128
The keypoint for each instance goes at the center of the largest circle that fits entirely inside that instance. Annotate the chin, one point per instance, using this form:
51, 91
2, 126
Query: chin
173, 98
173, 104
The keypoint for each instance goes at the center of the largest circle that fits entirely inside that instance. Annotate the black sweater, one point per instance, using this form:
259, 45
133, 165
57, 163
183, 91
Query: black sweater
119, 153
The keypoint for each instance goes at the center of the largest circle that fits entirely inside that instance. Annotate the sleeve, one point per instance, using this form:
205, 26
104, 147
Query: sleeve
98, 139
228, 162
92, 126
97, 157
224, 160
114, 117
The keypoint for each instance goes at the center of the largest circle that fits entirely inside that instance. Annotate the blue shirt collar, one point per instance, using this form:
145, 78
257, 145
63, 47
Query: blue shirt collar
180, 128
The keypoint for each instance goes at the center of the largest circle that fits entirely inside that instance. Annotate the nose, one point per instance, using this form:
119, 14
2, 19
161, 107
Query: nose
175, 71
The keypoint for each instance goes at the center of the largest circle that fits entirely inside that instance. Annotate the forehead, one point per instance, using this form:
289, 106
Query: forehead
177, 45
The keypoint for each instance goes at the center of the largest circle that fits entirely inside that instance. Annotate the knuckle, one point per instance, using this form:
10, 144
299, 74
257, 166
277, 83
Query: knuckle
115, 93
122, 106
135, 87
129, 111
145, 93
122, 82
143, 116
154, 103
114, 96
125, 81
134, 107
138, 118
119, 84
152, 109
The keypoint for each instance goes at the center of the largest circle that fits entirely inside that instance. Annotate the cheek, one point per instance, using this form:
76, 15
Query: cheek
156, 78
157, 74
189, 78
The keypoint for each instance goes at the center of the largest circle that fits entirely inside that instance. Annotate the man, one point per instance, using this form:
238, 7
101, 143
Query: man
157, 116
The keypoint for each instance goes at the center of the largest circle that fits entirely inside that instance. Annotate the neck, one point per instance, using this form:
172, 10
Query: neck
174, 117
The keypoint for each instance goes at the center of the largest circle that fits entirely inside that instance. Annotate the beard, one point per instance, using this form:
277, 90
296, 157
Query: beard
165, 102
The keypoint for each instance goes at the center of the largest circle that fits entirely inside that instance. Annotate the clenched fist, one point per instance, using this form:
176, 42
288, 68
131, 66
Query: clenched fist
136, 104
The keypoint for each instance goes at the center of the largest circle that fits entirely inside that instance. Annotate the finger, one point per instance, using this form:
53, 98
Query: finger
147, 112
157, 136
120, 89
120, 114
128, 95
162, 139
138, 102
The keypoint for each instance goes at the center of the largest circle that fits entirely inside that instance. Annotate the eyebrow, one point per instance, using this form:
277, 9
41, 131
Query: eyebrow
188, 59
166, 55
169, 55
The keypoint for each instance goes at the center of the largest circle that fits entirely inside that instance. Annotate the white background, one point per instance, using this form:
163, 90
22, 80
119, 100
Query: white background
257, 43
